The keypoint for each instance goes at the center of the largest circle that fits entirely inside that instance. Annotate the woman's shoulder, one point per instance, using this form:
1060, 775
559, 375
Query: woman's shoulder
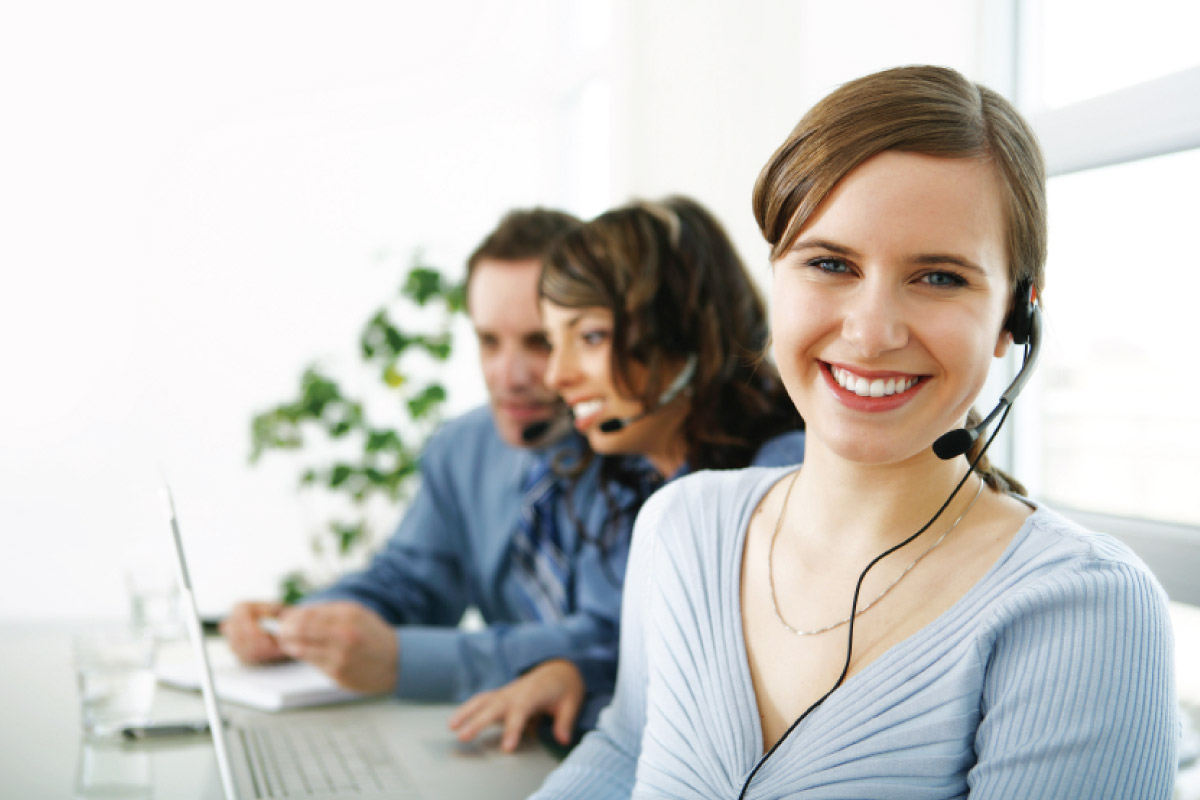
779, 451
1064, 540
695, 505
1054, 557
719, 487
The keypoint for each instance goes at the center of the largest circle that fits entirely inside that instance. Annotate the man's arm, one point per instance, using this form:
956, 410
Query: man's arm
419, 576
349, 629
425, 578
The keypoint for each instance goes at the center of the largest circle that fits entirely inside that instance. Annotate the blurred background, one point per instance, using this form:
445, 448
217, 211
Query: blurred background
198, 200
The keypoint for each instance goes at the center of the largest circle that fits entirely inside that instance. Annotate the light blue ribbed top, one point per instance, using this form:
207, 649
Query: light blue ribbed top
1051, 678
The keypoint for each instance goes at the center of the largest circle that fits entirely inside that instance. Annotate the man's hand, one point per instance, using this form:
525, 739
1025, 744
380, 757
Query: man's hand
249, 642
553, 687
349, 643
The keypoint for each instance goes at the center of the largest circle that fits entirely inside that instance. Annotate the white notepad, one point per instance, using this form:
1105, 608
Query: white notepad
271, 687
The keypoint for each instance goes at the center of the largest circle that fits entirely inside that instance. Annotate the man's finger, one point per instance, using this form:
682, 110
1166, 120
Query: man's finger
314, 652
307, 625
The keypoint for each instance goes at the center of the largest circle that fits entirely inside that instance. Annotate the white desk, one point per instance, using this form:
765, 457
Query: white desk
42, 754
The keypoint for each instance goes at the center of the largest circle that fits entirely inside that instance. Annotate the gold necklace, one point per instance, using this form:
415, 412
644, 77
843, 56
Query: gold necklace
878, 597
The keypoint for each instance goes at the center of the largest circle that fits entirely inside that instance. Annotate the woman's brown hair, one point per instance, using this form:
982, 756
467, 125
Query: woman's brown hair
676, 287
927, 110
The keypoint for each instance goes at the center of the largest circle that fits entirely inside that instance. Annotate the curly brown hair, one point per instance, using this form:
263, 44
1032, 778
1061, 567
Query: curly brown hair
676, 287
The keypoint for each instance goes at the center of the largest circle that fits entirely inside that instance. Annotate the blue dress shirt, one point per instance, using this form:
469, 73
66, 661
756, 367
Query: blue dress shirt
451, 551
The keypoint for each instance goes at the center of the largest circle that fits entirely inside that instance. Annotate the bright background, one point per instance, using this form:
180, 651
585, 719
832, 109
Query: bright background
199, 201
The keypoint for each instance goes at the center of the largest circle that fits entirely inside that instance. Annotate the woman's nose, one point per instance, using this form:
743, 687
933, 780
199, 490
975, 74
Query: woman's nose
559, 368
874, 321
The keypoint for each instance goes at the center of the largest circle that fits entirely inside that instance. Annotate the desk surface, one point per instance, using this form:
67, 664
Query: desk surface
43, 755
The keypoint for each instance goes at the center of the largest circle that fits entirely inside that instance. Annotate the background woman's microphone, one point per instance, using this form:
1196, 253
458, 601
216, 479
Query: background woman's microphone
535, 432
670, 393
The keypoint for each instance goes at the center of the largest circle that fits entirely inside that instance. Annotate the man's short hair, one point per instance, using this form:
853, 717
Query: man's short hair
522, 234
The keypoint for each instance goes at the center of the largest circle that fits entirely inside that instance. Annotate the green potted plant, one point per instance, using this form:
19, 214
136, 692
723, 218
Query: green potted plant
373, 459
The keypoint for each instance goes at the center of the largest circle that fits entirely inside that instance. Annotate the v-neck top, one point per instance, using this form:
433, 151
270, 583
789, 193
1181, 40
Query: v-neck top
1052, 677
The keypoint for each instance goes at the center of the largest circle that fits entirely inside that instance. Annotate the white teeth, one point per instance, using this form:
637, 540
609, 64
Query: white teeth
878, 387
586, 409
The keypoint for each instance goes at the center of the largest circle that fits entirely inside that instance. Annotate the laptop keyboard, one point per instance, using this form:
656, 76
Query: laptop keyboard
301, 760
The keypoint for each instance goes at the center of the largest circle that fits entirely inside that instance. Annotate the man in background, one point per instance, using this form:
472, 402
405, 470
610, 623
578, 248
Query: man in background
393, 627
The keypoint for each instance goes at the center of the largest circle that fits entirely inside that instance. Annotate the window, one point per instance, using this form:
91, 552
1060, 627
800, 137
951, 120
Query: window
1075, 50
1110, 424
1120, 429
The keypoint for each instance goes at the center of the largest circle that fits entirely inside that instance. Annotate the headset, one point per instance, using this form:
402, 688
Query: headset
1024, 323
547, 430
537, 432
672, 391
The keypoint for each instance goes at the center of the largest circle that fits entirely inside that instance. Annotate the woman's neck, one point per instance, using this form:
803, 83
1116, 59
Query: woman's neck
855, 508
669, 452
668, 459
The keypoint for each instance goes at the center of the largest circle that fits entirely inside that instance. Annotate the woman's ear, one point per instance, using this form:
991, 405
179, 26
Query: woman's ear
1003, 342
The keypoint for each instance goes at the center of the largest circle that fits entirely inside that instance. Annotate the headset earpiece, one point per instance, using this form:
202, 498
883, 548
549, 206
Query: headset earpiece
1025, 324
1020, 319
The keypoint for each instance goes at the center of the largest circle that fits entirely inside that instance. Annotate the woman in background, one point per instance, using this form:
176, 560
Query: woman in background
656, 332
887, 621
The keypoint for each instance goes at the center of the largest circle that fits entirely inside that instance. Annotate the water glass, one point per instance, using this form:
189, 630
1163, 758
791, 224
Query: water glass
154, 603
114, 669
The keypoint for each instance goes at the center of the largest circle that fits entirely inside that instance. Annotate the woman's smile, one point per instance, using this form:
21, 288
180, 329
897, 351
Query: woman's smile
894, 294
872, 385
585, 412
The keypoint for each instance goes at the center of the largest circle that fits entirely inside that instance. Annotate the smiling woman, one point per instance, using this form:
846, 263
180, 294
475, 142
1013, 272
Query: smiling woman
656, 335
1009, 652
861, 305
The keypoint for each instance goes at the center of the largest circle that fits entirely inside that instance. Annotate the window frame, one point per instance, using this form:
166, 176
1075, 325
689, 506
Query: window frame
1154, 118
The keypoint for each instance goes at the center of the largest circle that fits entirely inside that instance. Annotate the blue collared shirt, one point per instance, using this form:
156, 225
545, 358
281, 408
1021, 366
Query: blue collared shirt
451, 551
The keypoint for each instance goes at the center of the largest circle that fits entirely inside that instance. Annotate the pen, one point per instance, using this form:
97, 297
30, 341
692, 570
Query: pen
269, 624
156, 729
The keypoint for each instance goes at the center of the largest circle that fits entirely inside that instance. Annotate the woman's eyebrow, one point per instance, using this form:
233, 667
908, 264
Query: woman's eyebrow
947, 258
583, 316
822, 244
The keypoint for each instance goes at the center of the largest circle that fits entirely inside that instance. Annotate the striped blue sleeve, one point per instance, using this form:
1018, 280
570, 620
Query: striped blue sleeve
604, 765
1079, 698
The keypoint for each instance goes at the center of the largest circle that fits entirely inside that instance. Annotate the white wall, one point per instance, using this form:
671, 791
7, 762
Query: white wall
198, 203
707, 90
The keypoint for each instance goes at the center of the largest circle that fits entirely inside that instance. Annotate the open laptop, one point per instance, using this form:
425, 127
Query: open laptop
369, 750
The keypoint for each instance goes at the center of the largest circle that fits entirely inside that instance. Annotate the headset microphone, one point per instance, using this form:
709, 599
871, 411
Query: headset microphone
670, 393
535, 431
542, 431
1026, 328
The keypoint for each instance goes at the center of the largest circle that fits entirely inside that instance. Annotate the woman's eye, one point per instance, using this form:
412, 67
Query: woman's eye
831, 265
594, 337
944, 279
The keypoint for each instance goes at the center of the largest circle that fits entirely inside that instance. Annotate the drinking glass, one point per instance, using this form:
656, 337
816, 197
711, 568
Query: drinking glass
114, 670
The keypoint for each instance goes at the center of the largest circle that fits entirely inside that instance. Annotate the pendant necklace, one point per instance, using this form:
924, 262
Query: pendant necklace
878, 597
